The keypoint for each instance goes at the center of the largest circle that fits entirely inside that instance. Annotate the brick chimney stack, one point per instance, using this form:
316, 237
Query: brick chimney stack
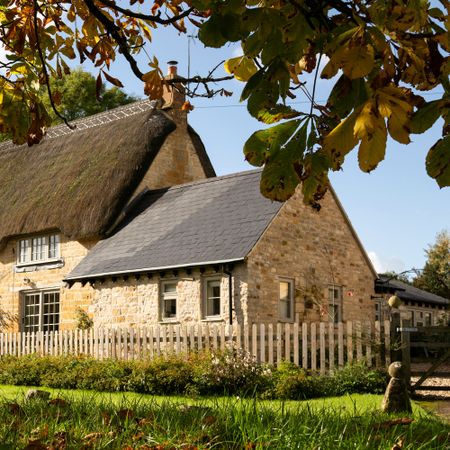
174, 95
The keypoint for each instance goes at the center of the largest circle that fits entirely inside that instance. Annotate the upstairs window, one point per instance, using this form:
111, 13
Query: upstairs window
38, 249
286, 301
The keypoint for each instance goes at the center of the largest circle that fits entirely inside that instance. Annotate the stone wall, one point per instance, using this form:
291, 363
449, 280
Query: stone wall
316, 250
12, 283
136, 302
177, 161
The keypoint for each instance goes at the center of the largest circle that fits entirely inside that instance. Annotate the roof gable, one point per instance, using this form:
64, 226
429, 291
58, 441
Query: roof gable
78, 181
205, 222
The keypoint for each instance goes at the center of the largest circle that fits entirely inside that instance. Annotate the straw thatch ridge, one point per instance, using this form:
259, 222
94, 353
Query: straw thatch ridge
79, 181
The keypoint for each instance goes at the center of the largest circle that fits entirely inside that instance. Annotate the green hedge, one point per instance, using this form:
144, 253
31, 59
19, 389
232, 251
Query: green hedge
219, 373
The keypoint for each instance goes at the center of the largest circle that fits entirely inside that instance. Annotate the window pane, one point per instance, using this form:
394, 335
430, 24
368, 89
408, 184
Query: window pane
31, 312
169, 300
170, 308
170, 287
284, 290
50, 307
37, 248
286, 300
23, 250
213, 298
53, 246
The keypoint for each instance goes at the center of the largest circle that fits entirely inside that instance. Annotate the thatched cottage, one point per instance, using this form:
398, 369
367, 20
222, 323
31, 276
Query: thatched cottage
124, 218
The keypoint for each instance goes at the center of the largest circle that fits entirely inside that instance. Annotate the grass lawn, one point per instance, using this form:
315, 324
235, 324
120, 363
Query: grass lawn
132, 421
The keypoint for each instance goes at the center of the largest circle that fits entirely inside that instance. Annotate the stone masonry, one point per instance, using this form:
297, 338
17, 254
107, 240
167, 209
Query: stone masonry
316, 250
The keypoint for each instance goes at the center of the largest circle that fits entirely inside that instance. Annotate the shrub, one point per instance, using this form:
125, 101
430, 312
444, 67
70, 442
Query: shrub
229, 372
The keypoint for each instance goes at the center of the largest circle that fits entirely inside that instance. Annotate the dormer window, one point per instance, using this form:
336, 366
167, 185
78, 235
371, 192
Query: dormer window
38, 249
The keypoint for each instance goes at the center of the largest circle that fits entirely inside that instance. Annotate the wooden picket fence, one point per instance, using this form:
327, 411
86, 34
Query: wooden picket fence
318, 346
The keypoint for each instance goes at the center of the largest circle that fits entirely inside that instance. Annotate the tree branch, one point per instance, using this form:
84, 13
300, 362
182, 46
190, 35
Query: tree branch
152, 18
44, 67
116, 34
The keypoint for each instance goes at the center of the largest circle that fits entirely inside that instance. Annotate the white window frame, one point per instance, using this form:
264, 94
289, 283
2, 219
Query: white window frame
45, 319
335, 303
217, 281
168, 296
286, 305
38, 249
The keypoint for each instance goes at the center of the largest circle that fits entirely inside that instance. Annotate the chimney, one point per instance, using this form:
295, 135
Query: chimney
174, 95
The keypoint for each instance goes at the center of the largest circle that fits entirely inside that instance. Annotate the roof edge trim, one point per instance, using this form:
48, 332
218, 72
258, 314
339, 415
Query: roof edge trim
353, 231
152, 269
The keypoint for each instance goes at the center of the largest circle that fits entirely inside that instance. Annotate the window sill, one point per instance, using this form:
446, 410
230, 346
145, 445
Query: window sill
169, 321
286, 320
55, 263
213, 319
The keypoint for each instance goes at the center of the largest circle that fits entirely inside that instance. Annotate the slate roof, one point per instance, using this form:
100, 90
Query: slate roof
407, 292
212, 221
78, 181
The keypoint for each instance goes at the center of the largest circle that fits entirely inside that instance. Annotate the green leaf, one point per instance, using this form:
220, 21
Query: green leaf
438, 162
315, 180
263, 143
425, 117
279, 178
252, 84
346, 95
211, 34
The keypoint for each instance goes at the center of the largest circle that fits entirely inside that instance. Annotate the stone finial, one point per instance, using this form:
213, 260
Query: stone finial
396, 397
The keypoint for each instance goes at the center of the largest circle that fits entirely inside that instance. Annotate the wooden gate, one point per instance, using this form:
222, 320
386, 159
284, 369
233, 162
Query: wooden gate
428, 346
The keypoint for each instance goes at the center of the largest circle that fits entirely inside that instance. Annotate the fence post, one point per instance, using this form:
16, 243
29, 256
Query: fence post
406, 351
396, 339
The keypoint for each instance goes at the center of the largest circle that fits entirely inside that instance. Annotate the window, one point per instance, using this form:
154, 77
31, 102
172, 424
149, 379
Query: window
378, 310
286, 306
212, 298
38, 249
40, 311
335, 304
169, 300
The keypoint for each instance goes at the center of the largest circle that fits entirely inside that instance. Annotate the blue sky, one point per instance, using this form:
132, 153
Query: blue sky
397, 210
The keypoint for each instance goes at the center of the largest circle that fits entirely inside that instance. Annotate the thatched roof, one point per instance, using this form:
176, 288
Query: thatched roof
79, 181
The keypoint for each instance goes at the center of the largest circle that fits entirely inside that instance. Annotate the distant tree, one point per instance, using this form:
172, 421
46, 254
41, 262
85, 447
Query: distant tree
435, 277
76, 95
402, 276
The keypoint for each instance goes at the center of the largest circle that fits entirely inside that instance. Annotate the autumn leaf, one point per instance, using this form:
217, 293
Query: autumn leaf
341, 140
153, 86
371, 129
186, 106
112, 80
394, 105
242, 67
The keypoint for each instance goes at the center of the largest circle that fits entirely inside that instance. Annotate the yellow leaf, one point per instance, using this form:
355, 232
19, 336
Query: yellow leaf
366, 121
242, 67
153, 86
355, 58
394, 105
371, 128
341, 140
330, 70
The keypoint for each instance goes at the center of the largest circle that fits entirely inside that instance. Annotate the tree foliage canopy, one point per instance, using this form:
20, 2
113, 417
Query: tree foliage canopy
435, 276
379, 54
80, 98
